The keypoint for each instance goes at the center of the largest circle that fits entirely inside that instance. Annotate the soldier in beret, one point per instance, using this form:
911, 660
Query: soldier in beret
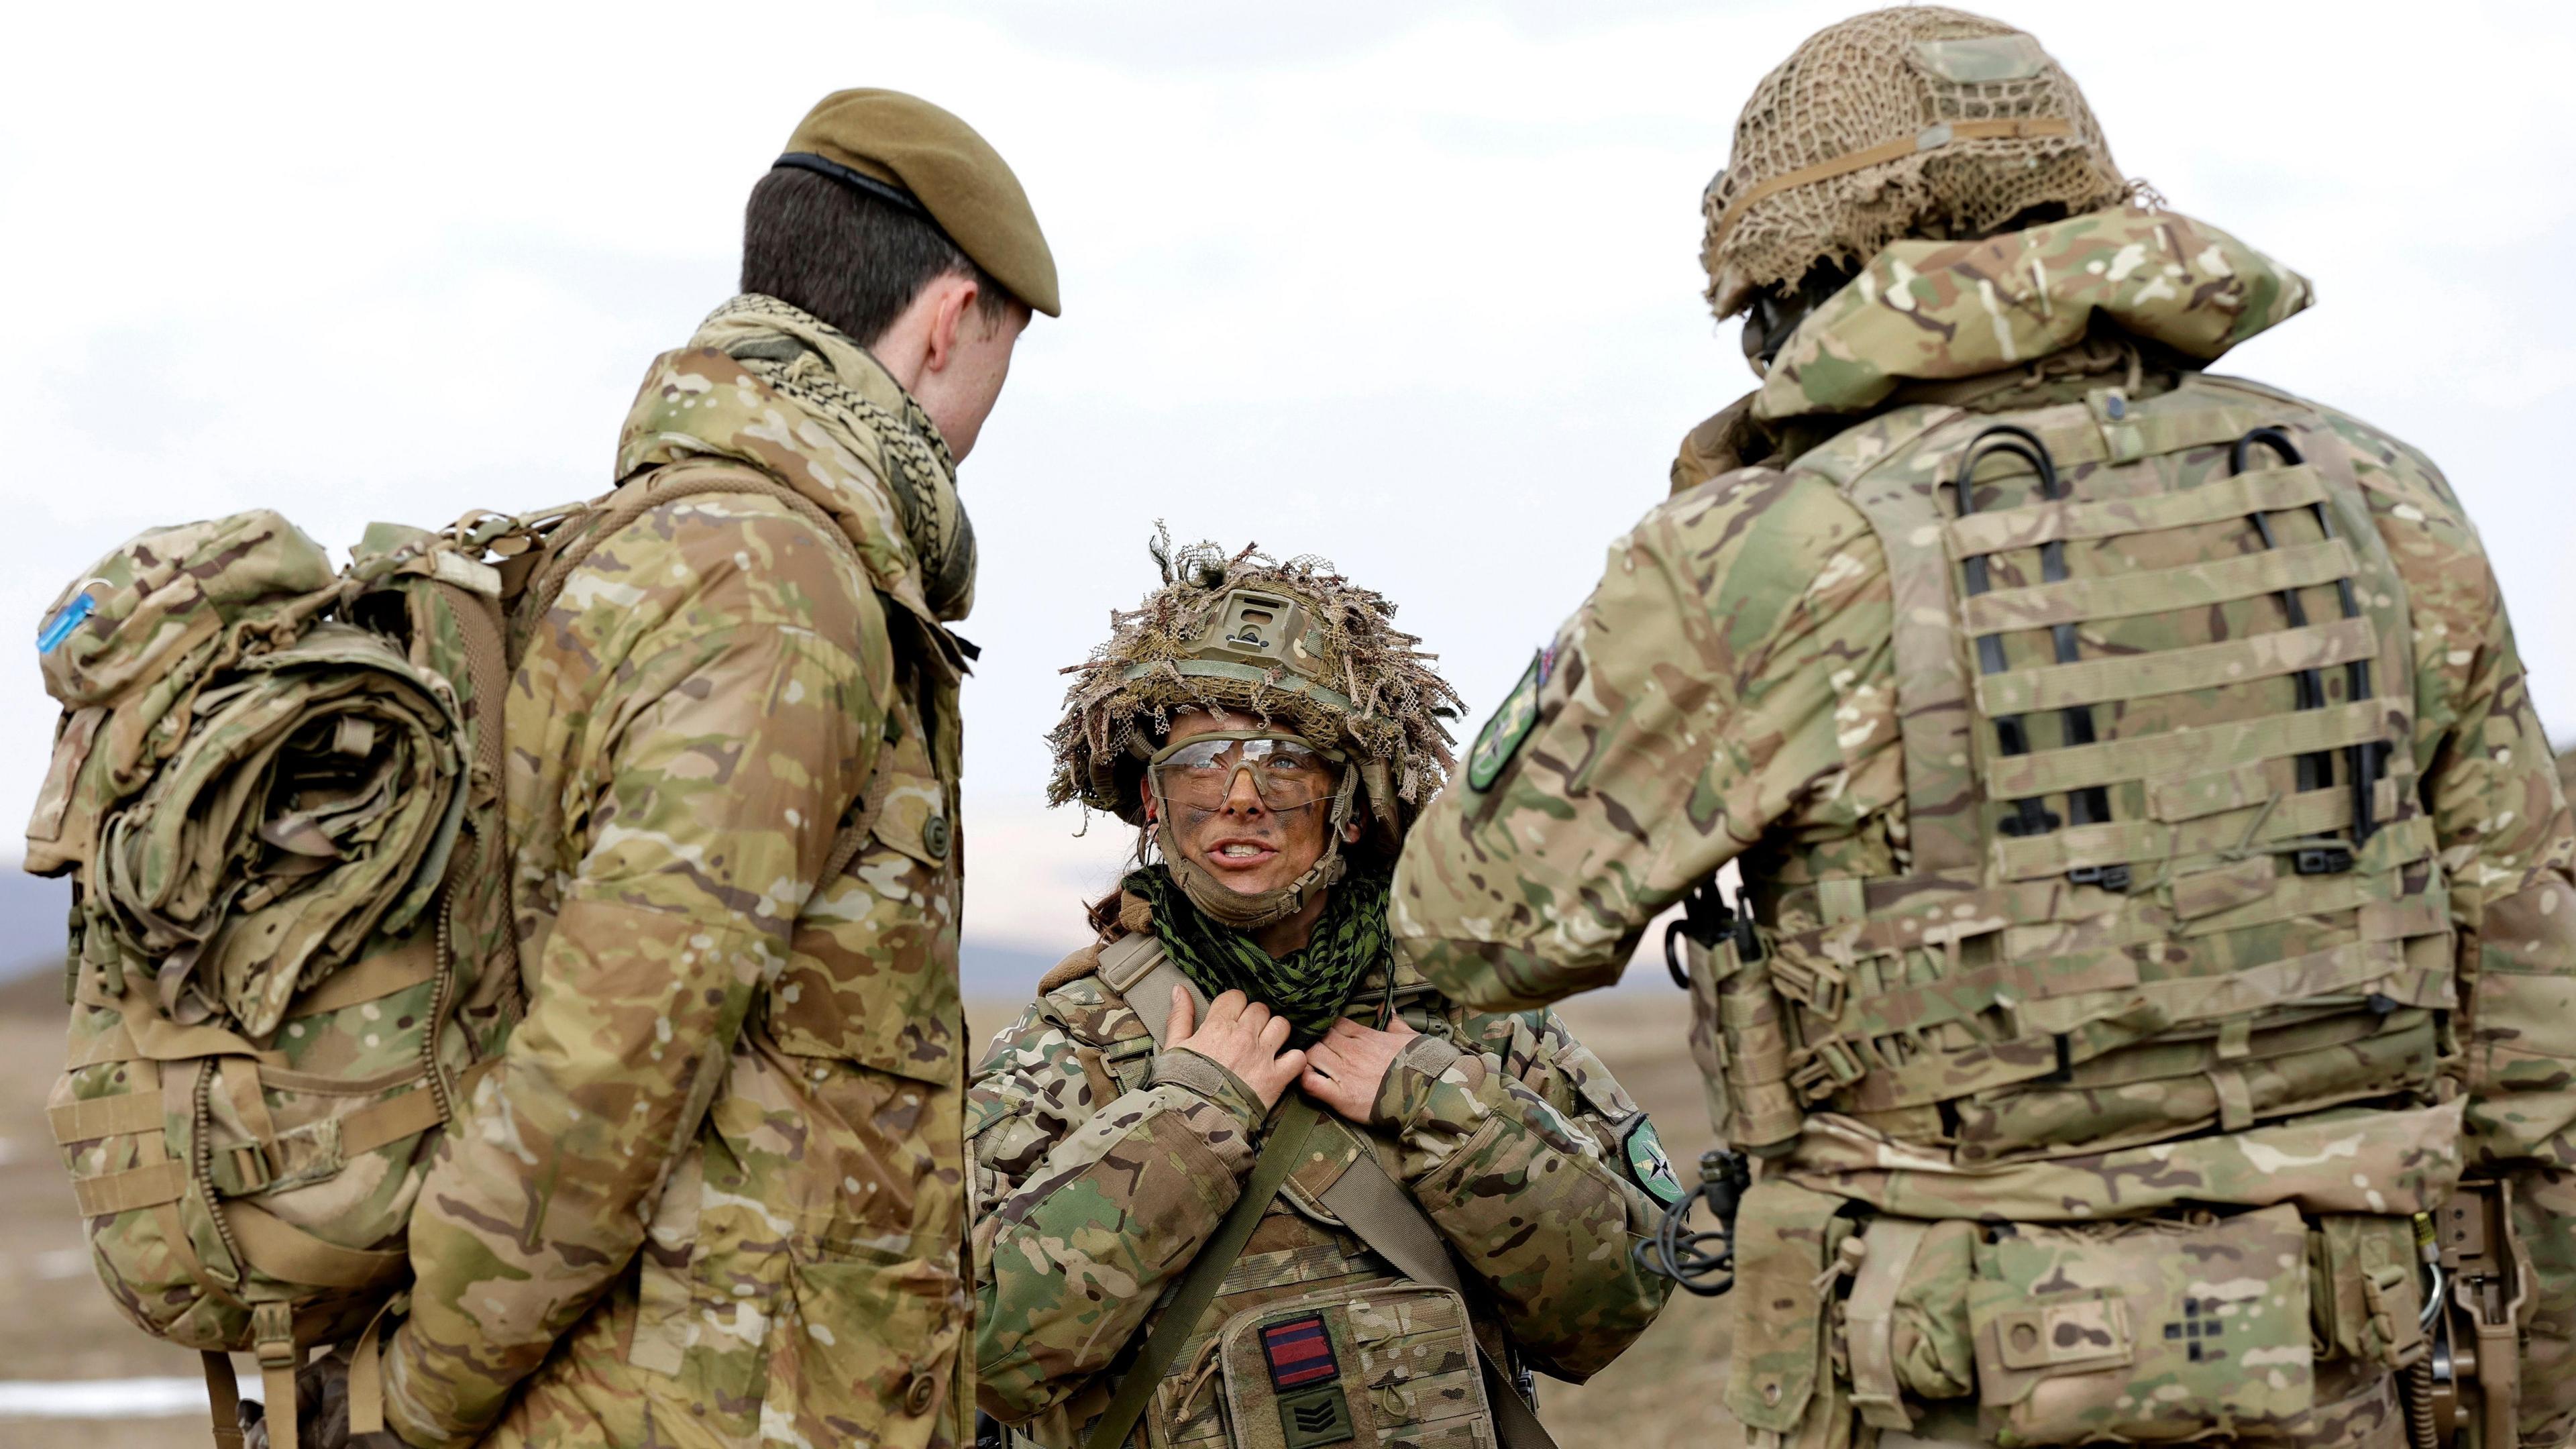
715, 1192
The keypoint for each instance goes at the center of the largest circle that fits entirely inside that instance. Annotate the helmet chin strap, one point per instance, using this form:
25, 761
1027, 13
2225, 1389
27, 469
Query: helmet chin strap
1235, 909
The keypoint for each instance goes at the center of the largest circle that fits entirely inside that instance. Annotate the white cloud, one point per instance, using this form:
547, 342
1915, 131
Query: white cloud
1415, 288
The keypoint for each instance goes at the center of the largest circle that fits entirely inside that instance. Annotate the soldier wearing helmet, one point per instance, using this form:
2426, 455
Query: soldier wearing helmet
1244, 1178
2145, 1007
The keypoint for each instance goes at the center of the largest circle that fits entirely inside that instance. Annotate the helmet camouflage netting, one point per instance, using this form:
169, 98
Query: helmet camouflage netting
1293, 644
1908, 122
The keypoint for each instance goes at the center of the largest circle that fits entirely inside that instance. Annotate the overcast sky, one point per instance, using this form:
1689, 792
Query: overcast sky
1411, 286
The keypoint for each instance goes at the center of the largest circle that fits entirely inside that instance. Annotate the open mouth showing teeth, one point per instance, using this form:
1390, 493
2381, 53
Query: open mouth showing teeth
1240, 852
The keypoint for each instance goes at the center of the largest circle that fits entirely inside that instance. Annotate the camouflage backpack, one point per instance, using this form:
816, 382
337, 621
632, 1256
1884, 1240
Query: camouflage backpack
278, 792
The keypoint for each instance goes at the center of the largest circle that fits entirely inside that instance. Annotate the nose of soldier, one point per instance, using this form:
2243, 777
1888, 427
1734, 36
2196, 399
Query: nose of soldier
1243, 798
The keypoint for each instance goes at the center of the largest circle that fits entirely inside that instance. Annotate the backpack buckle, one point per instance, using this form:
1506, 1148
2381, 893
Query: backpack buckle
2112, 878
1815, 985
1825, 1068
2323, 860
252, 1172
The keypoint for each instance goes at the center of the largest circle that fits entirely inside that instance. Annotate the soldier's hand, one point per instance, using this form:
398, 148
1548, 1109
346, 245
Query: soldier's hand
1242, 1036
1345, 1069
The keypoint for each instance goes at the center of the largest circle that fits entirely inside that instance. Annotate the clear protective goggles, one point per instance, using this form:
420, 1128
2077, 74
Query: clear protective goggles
1288, 773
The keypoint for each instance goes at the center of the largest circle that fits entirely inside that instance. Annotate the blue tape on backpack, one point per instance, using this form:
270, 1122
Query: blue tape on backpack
59, 628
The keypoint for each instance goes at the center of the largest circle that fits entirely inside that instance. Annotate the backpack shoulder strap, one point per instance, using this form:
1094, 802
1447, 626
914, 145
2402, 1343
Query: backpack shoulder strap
1141, 971
1180, 1317
639, 496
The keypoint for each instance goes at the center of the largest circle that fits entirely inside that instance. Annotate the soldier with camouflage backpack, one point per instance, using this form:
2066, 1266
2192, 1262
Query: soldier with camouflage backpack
1245, 1179
678, 769
2150, 1012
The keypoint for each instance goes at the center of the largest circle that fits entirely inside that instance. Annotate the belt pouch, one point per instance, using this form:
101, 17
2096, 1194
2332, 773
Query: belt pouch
1782, 1385
2143, 1331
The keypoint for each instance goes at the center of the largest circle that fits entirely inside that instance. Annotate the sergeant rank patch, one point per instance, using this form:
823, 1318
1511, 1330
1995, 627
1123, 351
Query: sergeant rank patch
1648, 1164
1501, 737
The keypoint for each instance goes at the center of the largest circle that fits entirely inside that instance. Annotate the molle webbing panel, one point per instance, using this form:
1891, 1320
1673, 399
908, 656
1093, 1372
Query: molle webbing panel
2154, 687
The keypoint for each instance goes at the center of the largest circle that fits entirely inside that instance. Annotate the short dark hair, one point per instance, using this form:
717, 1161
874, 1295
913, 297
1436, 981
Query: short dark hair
853, 260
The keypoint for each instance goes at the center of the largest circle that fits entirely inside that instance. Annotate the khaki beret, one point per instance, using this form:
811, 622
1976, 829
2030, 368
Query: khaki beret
907, 151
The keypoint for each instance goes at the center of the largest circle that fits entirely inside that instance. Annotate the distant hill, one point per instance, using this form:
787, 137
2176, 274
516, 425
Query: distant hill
32, 914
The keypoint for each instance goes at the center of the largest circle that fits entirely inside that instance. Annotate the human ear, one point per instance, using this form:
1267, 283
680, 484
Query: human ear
957, 296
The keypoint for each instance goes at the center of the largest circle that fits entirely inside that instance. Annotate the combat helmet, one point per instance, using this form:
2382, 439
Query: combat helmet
1295, 645
1914, 121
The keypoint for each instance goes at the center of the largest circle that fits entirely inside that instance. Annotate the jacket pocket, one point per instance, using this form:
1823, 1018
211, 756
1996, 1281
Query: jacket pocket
872, 974
864, 1351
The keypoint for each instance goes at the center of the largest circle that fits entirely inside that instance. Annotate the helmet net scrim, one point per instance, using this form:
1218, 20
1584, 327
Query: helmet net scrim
1870, 81
1398, 705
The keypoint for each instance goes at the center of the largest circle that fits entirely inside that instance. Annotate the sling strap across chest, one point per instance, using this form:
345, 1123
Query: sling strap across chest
1376, 1209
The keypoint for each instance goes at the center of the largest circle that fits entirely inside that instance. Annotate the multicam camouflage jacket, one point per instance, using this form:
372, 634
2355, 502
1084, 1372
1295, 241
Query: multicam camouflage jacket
714, 1195
2011, 967
1101, 1165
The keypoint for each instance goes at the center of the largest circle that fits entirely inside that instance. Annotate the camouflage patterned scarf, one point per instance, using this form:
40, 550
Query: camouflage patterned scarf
1310, 985
867, 416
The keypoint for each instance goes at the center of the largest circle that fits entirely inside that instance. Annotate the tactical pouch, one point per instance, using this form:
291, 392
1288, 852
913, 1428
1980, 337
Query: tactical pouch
2143, 1331
1784, 1383
1389, 1363
1748, 1040
2365, 1290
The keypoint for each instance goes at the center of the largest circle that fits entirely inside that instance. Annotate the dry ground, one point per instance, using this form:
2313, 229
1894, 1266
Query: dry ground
55, 1323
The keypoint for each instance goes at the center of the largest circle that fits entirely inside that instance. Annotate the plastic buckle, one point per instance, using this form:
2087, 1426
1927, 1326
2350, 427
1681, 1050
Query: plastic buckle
2323, 860
251, 1165
1828, 1062
272, 1329
2112, 878
1818, 986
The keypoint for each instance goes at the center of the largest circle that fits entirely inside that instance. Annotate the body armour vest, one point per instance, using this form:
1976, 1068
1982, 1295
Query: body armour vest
2162, 872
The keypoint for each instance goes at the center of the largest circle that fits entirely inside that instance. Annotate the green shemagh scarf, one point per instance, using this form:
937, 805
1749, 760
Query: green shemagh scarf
1309, 986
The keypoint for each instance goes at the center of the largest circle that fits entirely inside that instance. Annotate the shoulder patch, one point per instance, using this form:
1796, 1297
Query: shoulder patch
1647, 1164
1501, 737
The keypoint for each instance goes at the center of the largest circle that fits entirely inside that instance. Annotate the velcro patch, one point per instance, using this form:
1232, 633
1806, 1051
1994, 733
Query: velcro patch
1648, 1166
1300, 1352
1501, 737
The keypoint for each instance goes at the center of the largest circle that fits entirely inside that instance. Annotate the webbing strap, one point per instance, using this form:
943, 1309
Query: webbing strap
2221, 500
1941, 795
2121, 842
150, 1185
1870, 1314
2177, 752
2175, 671
2337, 970
1198, 1287
367, 1375
291, 1255
272, 1327
1930, 138
223, 1395
2160, 591
96, 1117
136, 1187
375, 978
